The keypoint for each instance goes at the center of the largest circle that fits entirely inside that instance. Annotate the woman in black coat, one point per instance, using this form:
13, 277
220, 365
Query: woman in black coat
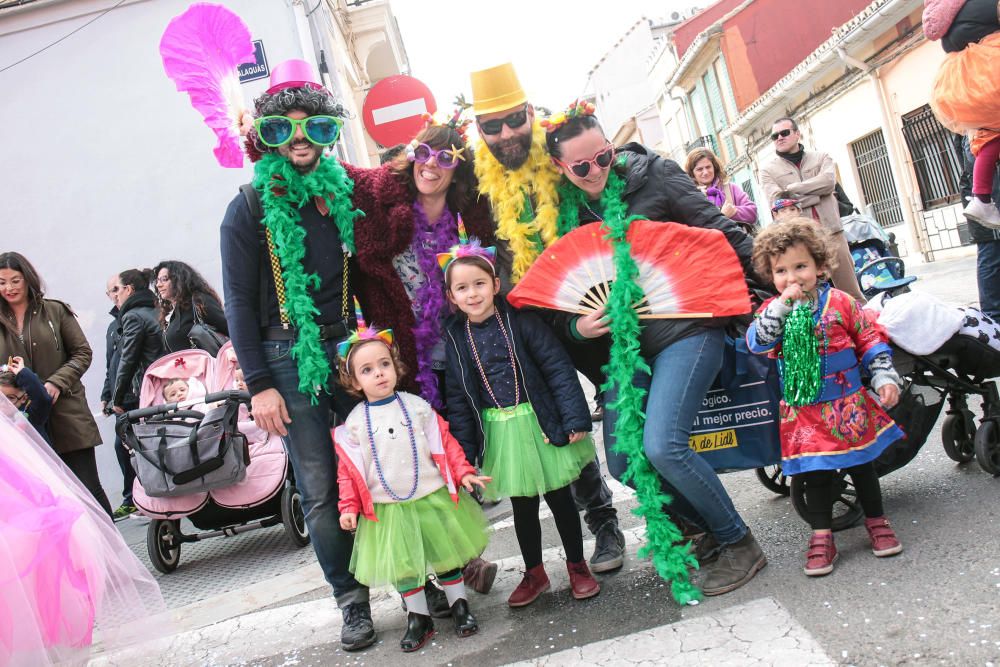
182, 290
141, 342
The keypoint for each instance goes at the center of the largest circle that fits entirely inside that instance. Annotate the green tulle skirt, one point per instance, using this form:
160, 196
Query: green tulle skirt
519, 460
416, 538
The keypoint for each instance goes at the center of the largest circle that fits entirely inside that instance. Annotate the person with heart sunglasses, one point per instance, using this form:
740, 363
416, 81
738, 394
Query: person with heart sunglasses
635, 181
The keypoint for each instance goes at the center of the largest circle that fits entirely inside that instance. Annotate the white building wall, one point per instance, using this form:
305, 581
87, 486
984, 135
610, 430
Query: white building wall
112, 168
620, 81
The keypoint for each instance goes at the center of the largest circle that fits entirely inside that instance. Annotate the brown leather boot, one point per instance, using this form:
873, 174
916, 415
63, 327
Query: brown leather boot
479, 575
534, 583
581, 581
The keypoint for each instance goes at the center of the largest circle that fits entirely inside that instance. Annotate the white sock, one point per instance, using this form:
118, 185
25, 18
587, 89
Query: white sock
454, 591
416, 602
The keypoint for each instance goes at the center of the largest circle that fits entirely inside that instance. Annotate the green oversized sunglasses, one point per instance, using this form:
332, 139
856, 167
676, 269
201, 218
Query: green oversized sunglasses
277, 131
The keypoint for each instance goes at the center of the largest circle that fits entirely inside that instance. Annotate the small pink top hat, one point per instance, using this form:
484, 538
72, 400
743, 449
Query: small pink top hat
294, 73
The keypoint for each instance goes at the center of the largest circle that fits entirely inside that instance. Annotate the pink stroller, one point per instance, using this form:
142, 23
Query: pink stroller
265, 496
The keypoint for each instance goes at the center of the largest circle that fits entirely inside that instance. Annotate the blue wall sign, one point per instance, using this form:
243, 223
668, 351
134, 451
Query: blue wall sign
258, 68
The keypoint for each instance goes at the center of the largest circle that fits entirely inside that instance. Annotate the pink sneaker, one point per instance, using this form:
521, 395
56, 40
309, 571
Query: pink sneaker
884, 541
821, 556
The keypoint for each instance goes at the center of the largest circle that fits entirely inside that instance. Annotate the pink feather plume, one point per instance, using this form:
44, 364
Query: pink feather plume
201, 50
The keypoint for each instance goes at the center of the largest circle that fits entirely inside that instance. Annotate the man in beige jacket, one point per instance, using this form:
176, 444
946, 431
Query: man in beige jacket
810, 178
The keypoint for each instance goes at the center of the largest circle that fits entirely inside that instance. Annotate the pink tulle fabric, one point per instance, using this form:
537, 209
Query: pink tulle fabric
64, 568
201, 50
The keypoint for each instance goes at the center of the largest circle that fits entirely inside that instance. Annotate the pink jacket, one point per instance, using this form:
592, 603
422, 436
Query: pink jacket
354, 494
938, 17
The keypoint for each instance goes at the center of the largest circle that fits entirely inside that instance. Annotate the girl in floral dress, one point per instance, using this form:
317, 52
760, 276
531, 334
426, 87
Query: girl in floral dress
822, 339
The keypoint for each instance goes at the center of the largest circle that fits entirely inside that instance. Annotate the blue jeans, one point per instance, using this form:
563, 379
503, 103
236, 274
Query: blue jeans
988, 277
310, 450
682, 374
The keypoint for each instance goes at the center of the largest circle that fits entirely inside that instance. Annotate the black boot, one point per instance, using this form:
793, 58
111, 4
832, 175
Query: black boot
419, 629
465, 622
437, 601
358, 631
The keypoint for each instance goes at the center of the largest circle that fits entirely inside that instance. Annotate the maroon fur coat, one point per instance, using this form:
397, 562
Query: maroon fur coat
384, 232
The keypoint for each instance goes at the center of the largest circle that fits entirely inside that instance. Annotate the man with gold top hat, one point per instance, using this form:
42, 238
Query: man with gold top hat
519, 180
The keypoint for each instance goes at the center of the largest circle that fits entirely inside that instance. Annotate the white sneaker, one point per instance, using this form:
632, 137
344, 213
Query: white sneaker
983, 213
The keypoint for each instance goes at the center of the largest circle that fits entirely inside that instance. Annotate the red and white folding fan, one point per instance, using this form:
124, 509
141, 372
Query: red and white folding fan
684, 272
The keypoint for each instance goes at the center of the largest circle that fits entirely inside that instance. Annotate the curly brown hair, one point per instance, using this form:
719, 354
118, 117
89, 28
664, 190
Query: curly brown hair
777, 238
697, 155
346, 377
463, 186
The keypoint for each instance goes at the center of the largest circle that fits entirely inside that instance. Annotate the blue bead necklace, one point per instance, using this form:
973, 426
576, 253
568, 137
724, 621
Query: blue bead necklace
413, 449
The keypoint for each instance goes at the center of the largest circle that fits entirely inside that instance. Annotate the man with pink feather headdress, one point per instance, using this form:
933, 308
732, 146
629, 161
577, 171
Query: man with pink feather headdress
286, 242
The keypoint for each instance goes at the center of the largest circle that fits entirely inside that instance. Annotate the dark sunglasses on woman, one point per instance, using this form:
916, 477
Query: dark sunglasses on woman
513, 121
275, 131
602, 160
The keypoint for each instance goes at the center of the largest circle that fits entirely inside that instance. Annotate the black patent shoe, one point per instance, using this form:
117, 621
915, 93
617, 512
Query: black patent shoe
465, 622
419, 629
437, 601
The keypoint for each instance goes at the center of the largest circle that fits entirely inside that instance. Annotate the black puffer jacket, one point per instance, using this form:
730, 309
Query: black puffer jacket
141, 344
658, 189
175, 336
975, 20
547, 374
112, 355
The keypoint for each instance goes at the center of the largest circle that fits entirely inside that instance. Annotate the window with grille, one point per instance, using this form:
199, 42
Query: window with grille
877, 182
936, 162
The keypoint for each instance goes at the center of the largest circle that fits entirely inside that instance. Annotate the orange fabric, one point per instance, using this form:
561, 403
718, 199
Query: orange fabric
981, 138
966, 93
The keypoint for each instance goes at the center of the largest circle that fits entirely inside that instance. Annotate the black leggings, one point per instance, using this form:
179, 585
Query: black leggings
820, 496
528, 528
83, 463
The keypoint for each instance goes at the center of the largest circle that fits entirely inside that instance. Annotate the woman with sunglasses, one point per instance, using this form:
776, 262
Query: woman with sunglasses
602, 183
46, 334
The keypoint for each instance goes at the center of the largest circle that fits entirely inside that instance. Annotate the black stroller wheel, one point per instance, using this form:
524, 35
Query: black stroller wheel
846, 509
293, 518
988, 447
958, 433
773, 479
163, 544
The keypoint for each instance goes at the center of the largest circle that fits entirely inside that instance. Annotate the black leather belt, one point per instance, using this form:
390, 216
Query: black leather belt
326, 332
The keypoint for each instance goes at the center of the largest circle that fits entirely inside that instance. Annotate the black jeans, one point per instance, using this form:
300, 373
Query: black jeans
820, 496
528, 528
125, 464
83, 463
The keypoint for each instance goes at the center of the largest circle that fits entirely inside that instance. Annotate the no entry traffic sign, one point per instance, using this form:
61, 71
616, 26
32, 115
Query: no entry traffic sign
393, 107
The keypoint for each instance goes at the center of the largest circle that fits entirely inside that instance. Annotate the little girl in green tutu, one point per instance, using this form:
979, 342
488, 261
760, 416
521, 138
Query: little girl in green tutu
399, 468
515, 404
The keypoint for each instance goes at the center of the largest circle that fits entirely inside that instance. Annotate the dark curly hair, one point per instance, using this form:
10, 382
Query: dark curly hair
313, 102
463, 185
777, 238
185, 281
346, 377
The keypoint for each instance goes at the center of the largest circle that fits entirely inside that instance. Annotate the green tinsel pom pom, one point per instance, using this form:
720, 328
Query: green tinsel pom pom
800, 352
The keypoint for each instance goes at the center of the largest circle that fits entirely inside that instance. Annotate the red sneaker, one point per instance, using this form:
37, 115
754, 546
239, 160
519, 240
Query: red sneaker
884, 541
821, 556
582, 581
534, 583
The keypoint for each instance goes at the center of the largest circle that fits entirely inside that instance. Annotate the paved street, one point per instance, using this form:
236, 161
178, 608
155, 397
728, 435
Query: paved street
255, 599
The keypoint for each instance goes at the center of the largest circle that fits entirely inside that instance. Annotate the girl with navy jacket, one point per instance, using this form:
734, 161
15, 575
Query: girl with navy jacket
516, 407
26, 392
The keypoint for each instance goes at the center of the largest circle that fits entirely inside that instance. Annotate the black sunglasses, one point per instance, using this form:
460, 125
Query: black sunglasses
780, 133
513, 121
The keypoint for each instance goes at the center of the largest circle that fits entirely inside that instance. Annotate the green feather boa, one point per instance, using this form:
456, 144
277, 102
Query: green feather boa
664, 542
283, 190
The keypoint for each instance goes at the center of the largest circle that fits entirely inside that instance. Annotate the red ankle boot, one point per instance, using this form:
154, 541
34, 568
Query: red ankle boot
581, 581
883, 538
821, 556
534, 583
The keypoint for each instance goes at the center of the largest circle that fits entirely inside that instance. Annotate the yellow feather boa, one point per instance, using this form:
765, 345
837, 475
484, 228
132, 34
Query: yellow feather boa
506, 189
